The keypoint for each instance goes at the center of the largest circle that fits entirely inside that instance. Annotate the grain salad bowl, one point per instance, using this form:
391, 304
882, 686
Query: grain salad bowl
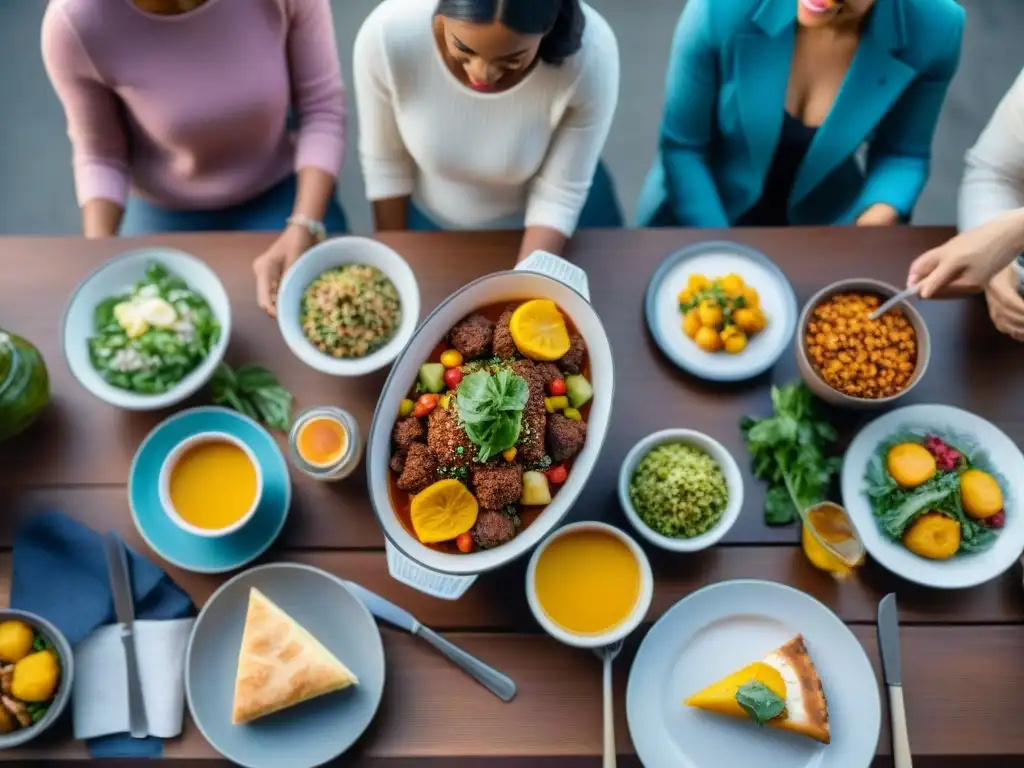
331, 254
808, 369
59, 703
116, 276
718, 453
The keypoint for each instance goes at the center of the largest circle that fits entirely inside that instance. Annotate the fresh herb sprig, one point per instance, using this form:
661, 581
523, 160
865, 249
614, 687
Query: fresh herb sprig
789, 452
491, 408
254, 391
759, 701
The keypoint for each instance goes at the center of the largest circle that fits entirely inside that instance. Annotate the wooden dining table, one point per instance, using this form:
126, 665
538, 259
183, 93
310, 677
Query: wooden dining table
963, 651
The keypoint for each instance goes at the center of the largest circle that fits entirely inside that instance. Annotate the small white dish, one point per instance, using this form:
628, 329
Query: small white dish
616, 633
172, 461
720, 629
716, 259
117, 275
1000, 452
721, 456
331, 254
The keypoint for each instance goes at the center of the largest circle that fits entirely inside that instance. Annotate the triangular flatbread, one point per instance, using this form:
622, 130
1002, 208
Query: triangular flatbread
788, 668
280, 664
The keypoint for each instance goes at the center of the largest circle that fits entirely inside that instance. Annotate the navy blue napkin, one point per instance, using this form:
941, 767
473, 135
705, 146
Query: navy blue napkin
60, 573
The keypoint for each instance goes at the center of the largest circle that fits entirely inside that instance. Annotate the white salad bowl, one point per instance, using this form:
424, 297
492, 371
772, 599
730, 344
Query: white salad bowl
171, 462
331, 254
721, 456
116, 276
519, 284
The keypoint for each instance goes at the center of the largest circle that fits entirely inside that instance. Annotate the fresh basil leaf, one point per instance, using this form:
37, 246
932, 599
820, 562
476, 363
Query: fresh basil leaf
759, 701
490, 407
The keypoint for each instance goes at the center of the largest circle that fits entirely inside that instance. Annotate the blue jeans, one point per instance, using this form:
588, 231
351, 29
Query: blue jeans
267, 211
600, 211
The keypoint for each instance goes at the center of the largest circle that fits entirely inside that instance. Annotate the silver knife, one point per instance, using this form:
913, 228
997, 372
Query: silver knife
124, 610
491, 679
889, 648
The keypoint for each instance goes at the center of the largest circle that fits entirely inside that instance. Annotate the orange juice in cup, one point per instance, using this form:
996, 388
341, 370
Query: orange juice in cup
830, 541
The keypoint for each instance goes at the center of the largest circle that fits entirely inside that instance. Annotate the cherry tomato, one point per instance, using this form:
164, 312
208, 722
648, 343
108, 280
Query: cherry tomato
451, 358
557, 474
425, 405
452, 377
464, 542
557, 387
406, 407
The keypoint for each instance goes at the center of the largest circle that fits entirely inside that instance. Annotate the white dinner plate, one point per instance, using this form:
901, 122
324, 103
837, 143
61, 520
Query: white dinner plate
996, 450
717, 259
721, 628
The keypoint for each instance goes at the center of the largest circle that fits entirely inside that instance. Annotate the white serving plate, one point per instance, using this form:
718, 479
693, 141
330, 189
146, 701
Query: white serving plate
960, 571
715, 259
721, 628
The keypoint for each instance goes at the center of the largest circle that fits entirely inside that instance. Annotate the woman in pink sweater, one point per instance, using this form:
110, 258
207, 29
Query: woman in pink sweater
178, 113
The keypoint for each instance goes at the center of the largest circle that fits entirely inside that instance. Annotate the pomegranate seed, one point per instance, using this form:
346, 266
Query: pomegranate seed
998, 520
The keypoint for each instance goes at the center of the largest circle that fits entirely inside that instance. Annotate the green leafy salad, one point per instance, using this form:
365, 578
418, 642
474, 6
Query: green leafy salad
937, 496
152, 336
491, 408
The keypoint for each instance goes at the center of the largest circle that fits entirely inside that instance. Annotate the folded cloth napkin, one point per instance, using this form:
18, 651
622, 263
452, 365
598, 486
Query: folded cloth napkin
60, 572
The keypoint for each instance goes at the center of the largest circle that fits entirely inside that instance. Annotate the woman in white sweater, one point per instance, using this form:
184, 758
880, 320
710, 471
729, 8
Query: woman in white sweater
991, 194
487, 114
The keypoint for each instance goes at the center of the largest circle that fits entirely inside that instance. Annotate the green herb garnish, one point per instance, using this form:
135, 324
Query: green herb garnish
254, 391
788, 450
491, 408
759, 701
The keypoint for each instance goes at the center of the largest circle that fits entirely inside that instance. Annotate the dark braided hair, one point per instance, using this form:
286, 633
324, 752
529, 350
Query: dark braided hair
560, 21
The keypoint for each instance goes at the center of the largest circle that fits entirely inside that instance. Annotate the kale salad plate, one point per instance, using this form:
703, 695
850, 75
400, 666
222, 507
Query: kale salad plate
930, 489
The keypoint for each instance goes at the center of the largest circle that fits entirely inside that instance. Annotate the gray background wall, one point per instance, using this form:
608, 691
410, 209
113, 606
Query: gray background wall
35, 177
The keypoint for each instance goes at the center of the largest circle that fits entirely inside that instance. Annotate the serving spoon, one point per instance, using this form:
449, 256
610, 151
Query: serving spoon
903, 295
607, 656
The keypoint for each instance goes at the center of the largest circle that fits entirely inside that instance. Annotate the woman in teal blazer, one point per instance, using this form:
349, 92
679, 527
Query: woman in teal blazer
736, 145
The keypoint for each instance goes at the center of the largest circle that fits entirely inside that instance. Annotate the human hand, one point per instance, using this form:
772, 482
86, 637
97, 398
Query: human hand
1005, 305
271, 265
878, 215
970, 260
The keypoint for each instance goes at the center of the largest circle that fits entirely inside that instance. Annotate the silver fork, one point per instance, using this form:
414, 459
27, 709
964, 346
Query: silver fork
607, 656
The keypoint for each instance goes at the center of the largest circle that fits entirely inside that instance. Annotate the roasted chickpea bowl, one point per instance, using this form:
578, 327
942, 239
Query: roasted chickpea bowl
36, 675
851, 361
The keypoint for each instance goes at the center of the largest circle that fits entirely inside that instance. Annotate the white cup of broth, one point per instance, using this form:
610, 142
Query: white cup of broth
589, 584
211, 484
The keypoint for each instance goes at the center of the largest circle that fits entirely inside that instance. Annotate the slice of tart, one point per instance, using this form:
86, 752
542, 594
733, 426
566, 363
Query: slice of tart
280, 664
782, 690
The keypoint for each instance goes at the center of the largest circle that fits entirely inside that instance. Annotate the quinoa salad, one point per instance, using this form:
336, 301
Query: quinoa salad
679, 491
150, 337
350, 311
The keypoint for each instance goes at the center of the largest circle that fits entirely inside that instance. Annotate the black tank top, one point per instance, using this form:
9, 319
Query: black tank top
771, 209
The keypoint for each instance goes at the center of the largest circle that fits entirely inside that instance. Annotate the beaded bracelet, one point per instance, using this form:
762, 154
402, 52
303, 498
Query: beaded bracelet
314, 227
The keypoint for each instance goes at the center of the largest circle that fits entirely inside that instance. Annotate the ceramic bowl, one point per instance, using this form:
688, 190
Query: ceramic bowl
172, 461
618, 632
810, 374
722, 457
112, 278
498, 288
331, 254
67, 677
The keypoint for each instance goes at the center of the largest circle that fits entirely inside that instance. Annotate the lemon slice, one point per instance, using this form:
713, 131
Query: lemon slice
539, 331
158, 313
443, 511
130, 319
